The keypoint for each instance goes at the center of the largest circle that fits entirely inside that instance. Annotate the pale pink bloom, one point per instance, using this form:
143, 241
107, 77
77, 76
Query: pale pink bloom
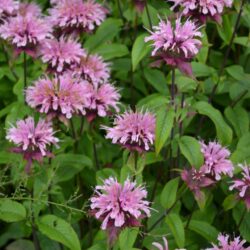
8, 7
133, 130
93, 69
61, 96
25, 32
32, 139
161, 247
243, 185
119, 206
31, 9
216, 160
61, 54
176, 44
203, 9
226, 244
102, 99
70, 15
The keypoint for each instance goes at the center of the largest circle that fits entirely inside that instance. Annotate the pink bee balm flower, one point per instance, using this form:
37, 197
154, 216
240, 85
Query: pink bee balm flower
243, 185
225, 244
203, 9
176, 44
31, 9
119, 206
25, 32
8, 7
216, 160
102, 99
62, 54
78, 15
61, 96
94, 69
159, 246
133, 130
32, 139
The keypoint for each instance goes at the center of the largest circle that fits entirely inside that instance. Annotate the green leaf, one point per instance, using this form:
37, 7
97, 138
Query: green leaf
11, 211
106, 32
204, 229
224, 132
105, 173
176, 226
21, 244
202, 70
153, 13
230, 202
164, 124
140, 50
157, 79
191, 149
127, 238
168, 194
153, 102
239, 119
59, 230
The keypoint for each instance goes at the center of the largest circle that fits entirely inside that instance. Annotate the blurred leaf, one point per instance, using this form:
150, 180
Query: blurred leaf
203, 53
202, 70
225, 31
191, 149
153, 13
230, 202
103, 174
153, 102
21, 245
59, 230
237, 72
127, 238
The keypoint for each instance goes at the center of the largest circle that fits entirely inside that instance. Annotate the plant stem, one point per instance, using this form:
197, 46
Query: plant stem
95, 156
25, 69
238, 98
148, 15
190, 216
173, 87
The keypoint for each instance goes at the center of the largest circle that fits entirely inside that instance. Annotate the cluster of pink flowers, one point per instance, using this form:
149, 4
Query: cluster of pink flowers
8, 7
119, 206
133, 130
32, 139
203, 9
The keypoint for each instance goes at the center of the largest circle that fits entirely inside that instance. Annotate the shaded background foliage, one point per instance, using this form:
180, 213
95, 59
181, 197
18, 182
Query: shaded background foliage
62, 186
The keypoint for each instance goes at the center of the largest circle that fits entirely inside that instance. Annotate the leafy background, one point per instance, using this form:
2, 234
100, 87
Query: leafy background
51, 206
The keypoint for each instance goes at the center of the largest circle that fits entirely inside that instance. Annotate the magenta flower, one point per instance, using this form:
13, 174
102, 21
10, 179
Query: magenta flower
159, 246
133, 130
62, 54
176, 44
8, 7
94, 69
119, 206
32, 139
226, 244
25, 33
216, 160
243, 185
71, 15
196, 180
102, 99
61, 96
203, 9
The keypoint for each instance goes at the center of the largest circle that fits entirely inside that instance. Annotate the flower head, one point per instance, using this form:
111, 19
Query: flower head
29, 9
243, 185
216, 160
226, 244
133, 130
61, 96
8, 7
176, 44
32, 139
69, 15
25, 32
203, 9
159, 246
119, 206
62, 54
102, 99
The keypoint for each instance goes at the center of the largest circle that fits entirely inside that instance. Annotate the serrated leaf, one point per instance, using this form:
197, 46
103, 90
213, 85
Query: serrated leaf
59, 230
169, 192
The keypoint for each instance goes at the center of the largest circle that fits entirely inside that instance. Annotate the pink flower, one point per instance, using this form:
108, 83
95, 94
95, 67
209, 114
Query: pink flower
203, 9
93, 69
61, 96
62, 54
133, 130
216, 160
102, 99
196, 180
159, 246
176, 44
225, 244
71, 15
25, 32
31, 9
32, 139
243, 185
119, 206
8, 7
139, 5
